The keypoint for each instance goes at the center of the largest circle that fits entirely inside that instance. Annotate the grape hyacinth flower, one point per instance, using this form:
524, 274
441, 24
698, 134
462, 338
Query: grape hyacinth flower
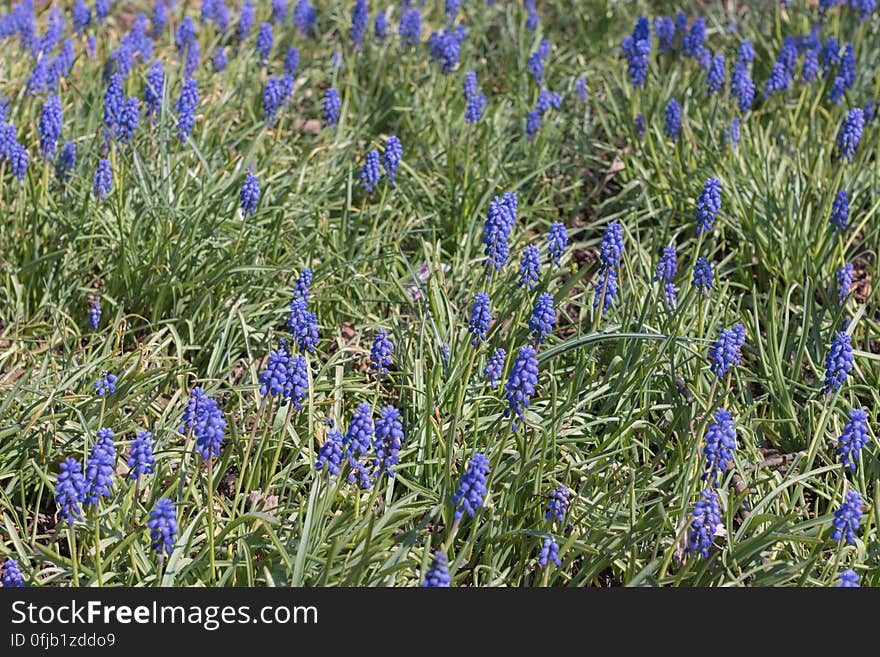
692, 44
100, 467
496, 230
330, 453
850, 133
250, 195
303, 325
844, 282
186, 108
810, 67
302, 287
185, 35
279, 11
204, 417
847, 518
720, 445
445, 46
438, 574
331, 107
536, 67
481, 317
475, 104
672, 124
666, 272
273, 98
557, 240
838, 90
12, 577
606, 288
410, 28
304, 17
717, 75
245, 20
359, 19
387, 437
103, 179
265, 40
219, 60
727, 351
611, 248
160, 19
380, 353
533, 122
731, 135
706, 518
154, 89
838, 363
95, 313
847, 579
557, 507
853, 438
839, 212
639, 125
275, 379
106, 384
370, 171
140, 456
521, 382
495, 367
865, 7
66, 161
359, 437
779, 79
580, 89
380, 26
708, 204
81, 14
472, 489
70, 491
163, 526
549, 552
360, 474
703, 275
636, 53
543, 318
530, 267
664, 30
128, 119
746, 53
847, 70
50, 125
742, 88
392, 157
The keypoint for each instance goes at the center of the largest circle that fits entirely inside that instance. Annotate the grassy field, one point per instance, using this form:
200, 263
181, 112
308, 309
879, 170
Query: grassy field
194, 294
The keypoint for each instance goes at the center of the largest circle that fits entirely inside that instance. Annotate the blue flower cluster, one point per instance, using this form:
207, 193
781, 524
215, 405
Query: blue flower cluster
521, 383
472, 489
720, 445
140, 456
666, 269
481, 318
438, 574
543, 318
549, 552
475, 99
380, 353
12, 577
838, 362
163, 526
636, 48
847, 518
495, 367
106, 384
727, 351
204, 417
853, 438
250, 195
445, 46
706, 517
499, 223
100, 467
557, 507
708, 204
